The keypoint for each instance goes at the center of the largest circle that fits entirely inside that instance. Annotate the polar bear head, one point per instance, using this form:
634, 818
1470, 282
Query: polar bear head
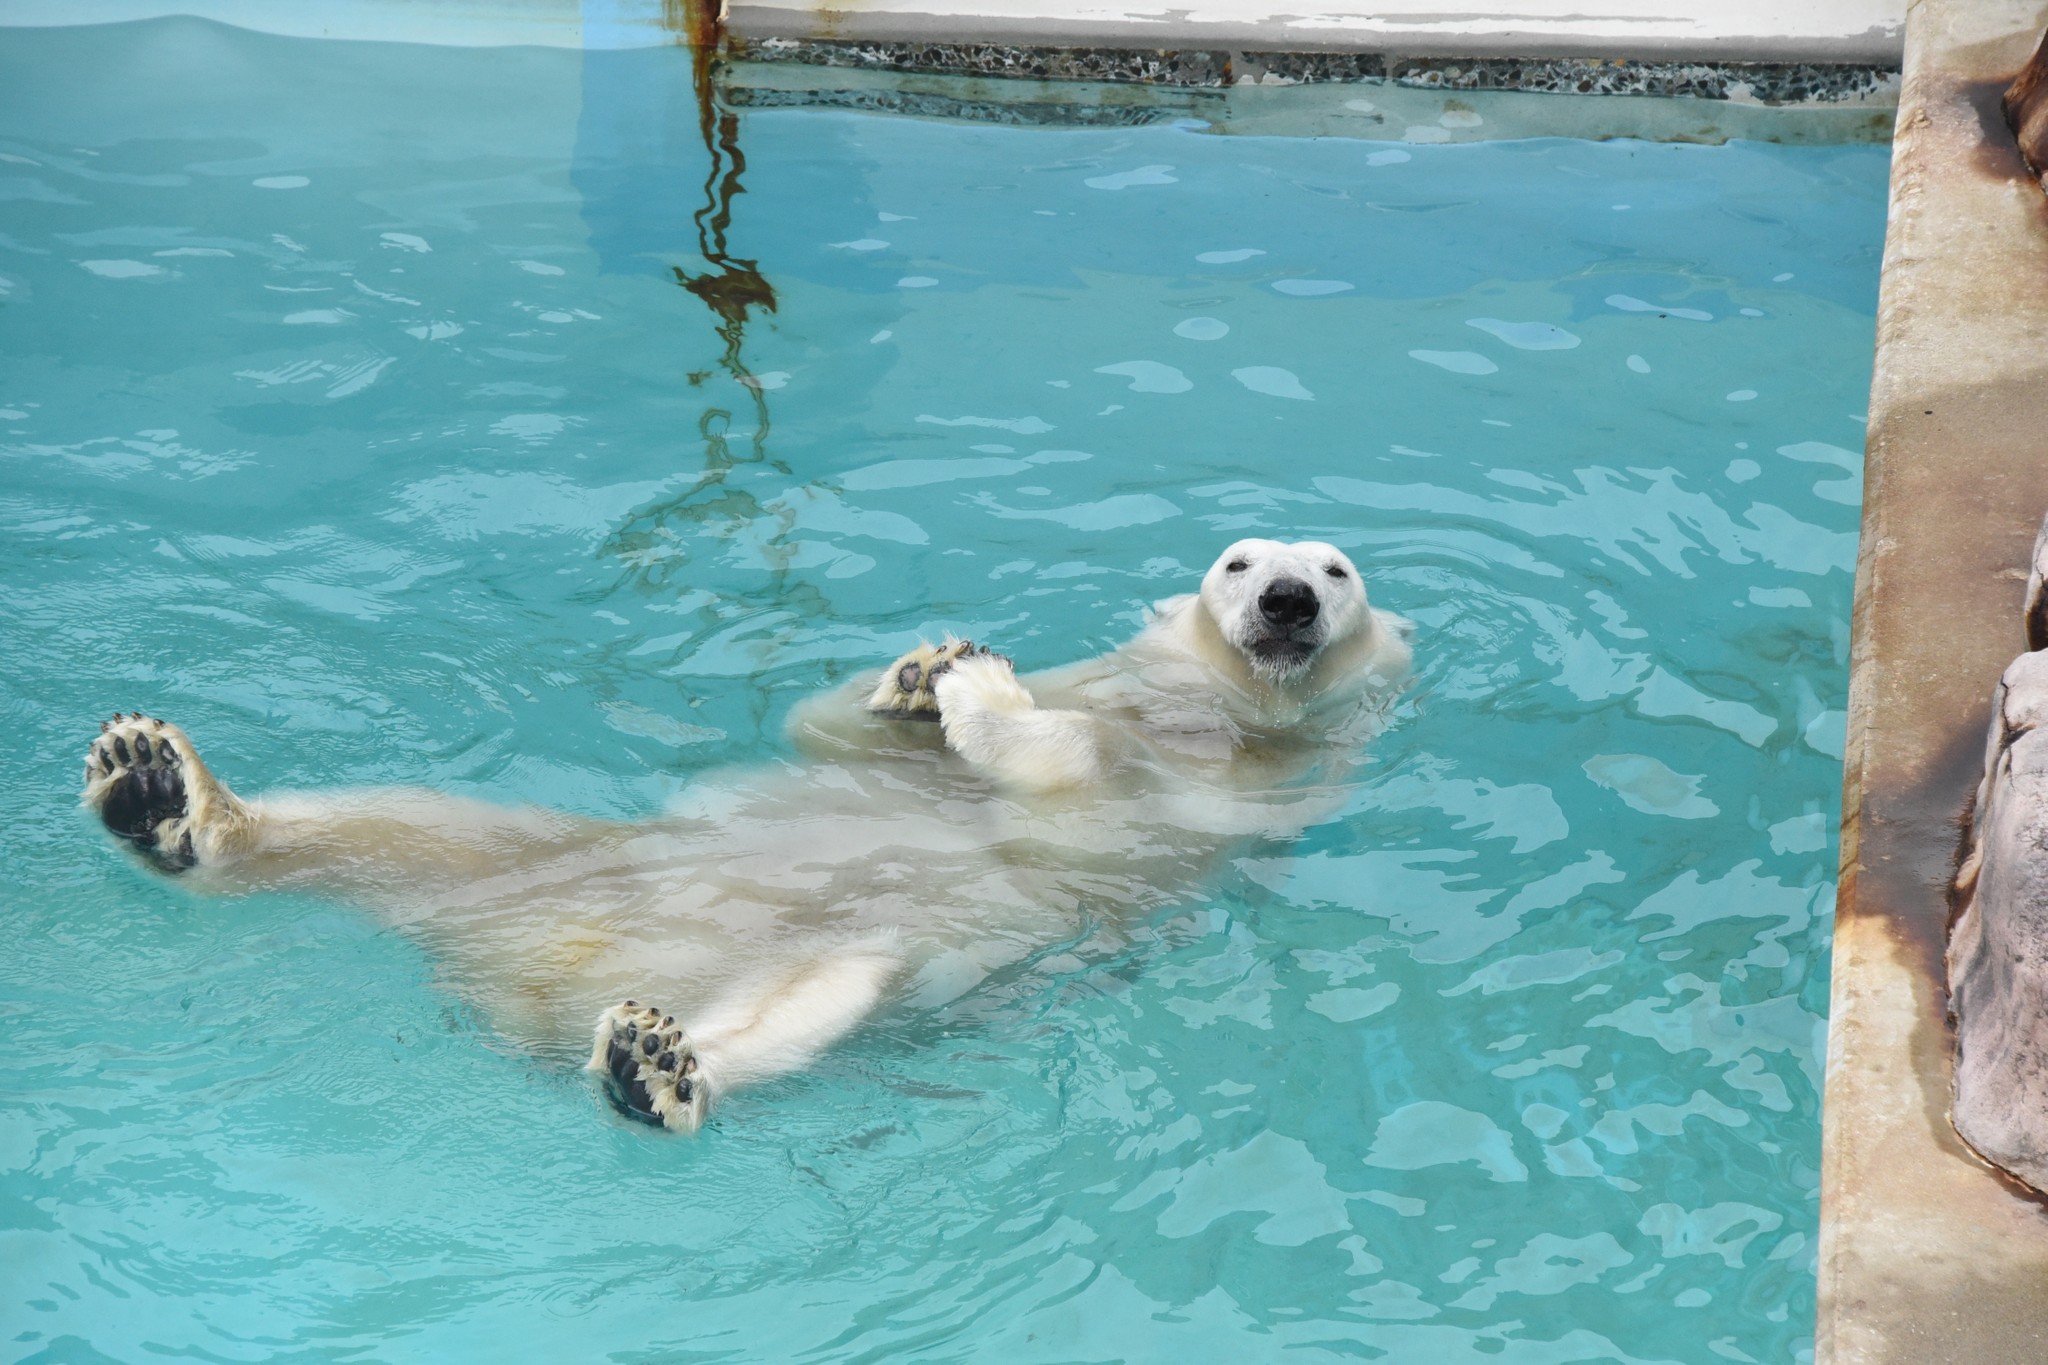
1283, 607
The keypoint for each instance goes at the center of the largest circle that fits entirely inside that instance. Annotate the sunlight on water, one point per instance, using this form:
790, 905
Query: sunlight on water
382, 415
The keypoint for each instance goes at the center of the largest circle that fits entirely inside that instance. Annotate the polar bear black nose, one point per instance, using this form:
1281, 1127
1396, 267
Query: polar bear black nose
1288, 603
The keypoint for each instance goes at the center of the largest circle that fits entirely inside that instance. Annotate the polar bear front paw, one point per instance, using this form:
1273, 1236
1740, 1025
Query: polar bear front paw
652, 1066
145, 781
907, 689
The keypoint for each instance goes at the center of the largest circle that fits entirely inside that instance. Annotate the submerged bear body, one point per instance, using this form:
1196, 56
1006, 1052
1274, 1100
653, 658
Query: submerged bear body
775, 906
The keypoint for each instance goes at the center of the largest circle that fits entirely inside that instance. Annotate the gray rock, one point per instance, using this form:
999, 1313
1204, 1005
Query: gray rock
2037, 592
1998, 944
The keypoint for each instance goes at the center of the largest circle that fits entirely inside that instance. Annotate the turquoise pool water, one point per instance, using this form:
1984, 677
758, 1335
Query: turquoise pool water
351, 413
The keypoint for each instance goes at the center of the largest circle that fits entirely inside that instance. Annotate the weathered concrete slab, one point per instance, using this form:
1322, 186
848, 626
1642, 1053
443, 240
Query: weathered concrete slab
1926, 1254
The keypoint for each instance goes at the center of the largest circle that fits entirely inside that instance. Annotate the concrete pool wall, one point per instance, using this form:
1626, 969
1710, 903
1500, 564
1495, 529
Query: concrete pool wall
1927, 1254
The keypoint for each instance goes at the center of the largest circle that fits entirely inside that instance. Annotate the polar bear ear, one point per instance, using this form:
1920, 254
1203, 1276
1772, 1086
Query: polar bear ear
1403, 628
1167, 607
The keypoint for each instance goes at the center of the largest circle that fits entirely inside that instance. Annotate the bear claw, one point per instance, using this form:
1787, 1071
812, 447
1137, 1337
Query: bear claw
651, 1067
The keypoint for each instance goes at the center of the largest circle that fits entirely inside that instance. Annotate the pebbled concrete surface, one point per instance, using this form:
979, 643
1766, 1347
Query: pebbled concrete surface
1379, 111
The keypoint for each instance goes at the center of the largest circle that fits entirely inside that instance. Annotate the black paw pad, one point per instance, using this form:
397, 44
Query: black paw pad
628, 1093
650, 1068
148, 789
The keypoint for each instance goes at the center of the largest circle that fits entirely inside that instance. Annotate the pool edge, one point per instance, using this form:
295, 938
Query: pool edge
1926, 1254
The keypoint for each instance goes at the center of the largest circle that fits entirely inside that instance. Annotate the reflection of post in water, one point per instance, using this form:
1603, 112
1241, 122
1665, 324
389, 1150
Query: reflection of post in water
733, 288
737, 286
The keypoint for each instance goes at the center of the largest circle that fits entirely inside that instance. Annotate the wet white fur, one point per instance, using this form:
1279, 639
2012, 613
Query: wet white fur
996, 724
777, 906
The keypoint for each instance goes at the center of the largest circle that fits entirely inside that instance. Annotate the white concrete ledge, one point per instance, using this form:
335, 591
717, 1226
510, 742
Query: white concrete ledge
1845, 32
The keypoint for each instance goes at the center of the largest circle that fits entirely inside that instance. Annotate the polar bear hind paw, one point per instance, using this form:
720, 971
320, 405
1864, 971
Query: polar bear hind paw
136, 780
906, 687
651, 1067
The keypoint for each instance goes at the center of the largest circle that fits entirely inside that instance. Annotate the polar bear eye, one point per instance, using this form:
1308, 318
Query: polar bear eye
1237, 566
1335, 571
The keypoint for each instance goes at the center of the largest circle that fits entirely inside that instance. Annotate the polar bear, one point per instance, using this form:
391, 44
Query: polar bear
774, 907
